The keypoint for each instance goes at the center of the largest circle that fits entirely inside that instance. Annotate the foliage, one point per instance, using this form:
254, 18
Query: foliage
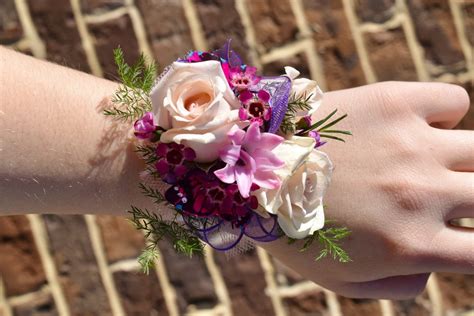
329, 239
295, 104
131, 100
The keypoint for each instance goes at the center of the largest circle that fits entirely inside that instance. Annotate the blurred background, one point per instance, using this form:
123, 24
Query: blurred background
85, 265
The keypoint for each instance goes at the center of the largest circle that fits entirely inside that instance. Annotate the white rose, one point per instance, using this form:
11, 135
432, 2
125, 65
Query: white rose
298, 202
304, 87
196, 106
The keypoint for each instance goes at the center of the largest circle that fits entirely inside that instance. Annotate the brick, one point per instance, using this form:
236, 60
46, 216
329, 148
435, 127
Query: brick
20, 264
56, 26
376, 11
246, 284
221, 21
121, 239
390, 56
140, 294
436, 32
110, 35
457, 291
420, 306
359, 307
189, 277
308, 303
39, 305
274, 22
99, 6
10, 26
79, 274
171, 38
276, 68
468, 18
335, 44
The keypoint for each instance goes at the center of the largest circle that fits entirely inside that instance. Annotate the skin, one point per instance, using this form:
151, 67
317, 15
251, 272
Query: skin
398, 181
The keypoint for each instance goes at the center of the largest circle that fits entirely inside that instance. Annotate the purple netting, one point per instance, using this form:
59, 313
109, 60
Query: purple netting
226, 53
279, 89
223, 235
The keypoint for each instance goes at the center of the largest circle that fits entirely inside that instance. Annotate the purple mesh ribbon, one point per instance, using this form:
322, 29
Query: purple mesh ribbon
279, 89
223, 235
229, 55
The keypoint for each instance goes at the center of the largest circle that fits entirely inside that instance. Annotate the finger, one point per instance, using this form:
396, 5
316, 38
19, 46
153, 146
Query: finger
394, 288
456, 148
453, 251
442, 105
459, 188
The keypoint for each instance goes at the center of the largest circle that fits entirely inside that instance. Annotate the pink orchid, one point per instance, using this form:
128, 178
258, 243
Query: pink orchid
255, 106
240, 79
250, 159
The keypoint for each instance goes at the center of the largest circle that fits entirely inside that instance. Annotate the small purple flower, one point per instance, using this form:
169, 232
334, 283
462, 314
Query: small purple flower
203, 194
172, 158
197, 56
255, 107
317, 138
241, 78
145, 127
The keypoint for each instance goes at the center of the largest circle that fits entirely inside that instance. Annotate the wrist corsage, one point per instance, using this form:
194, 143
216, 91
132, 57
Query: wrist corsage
232, 157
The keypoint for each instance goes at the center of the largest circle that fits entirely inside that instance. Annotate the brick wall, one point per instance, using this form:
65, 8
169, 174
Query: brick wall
85, 265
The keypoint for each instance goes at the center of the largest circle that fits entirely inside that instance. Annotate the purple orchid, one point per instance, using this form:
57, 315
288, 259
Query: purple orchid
203, 194
250, 159
255, 106
241, 78
317, 138
172, 158
145, 127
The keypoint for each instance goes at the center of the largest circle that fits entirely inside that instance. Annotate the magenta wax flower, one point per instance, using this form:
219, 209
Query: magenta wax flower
250, 159
172, 158
241, 79
145, 127
317, 138
255, 107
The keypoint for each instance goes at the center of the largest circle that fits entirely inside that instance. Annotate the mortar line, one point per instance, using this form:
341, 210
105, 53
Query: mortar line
4, 306
298, 288
126, 265
467, 49
197, 34
105, 16
387, 308
35, 43
139, 29
105, 274
40, 236
416, 50
434, 294
285, 51
169, 293
370, 27
271, 288
315, 64
26, 298
218, 281
250, 37
86, 39
333, 303
361, 49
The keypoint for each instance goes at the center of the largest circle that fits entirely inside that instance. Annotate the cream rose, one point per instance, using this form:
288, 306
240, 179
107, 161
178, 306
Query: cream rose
298, 202
304, 87
196, 106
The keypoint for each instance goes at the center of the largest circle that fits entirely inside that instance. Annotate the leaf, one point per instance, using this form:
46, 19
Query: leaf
333, 122
332, 137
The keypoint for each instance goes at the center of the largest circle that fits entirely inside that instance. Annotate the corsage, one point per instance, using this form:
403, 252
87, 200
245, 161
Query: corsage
232, 157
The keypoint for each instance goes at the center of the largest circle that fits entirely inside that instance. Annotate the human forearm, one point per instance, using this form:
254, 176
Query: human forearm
58, 153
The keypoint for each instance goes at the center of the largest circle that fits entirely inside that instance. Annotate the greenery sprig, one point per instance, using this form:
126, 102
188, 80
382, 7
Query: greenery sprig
325, 130
295, 104
155, 229
329, 239
132, 100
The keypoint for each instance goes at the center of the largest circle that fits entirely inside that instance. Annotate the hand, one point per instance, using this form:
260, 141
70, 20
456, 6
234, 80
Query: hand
396, 185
